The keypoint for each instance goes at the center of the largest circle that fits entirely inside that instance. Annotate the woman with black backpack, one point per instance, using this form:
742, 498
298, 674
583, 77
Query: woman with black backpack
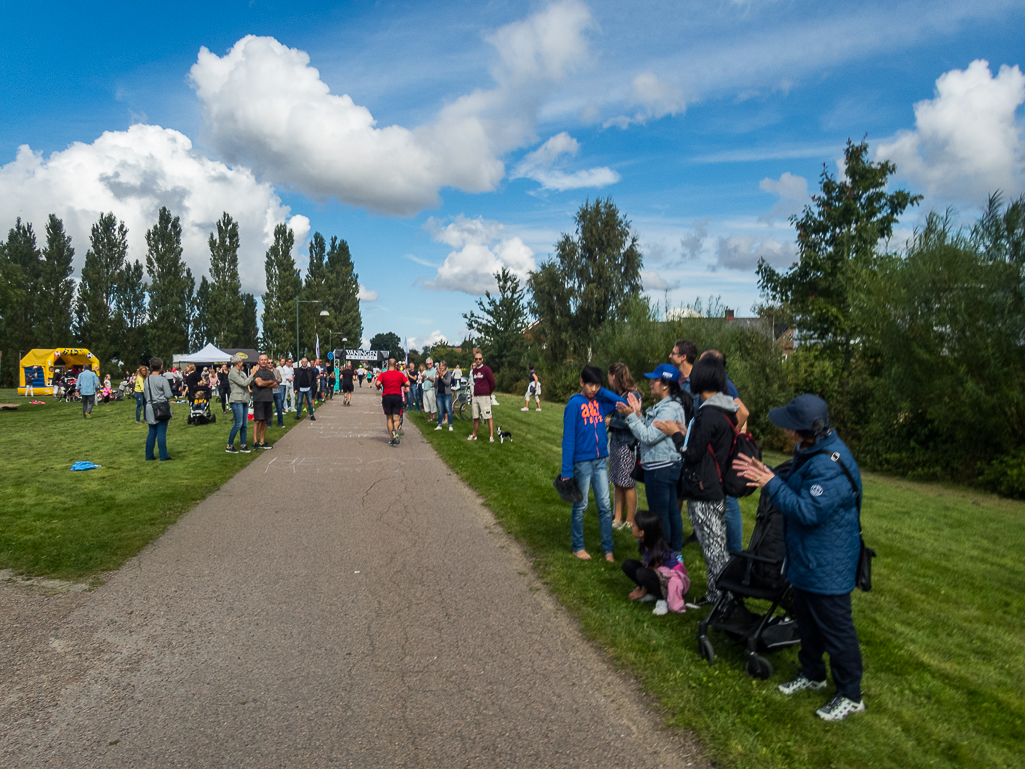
705, 447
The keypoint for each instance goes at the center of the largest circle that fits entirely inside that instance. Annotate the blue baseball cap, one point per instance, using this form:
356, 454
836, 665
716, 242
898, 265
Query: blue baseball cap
801, 413
666, 372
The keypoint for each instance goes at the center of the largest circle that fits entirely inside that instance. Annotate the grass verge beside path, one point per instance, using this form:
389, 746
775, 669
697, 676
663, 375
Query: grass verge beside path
941, 632
73, 525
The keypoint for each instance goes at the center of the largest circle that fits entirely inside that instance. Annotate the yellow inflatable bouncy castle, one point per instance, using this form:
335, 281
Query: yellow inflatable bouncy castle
39, 366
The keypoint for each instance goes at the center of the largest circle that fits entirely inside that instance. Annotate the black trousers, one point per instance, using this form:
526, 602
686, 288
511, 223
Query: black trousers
827, 627
646, 578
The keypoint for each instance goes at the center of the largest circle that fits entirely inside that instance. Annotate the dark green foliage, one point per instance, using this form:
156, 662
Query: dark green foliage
388, 341
589, 283
279, 300
342, 293
97, 292
130, 302
499, 328
250, 329
200, 331
56, 291
171, 290
311, 323
225, 314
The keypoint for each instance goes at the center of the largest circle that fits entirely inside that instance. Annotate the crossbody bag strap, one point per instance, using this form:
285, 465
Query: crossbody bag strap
835, 457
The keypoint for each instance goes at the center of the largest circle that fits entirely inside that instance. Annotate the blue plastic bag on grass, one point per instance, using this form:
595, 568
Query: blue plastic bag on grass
85, 466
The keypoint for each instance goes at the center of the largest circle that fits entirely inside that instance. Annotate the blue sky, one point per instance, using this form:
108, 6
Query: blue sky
444, 140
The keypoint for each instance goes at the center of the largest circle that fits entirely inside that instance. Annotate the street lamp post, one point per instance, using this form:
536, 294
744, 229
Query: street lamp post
323, 313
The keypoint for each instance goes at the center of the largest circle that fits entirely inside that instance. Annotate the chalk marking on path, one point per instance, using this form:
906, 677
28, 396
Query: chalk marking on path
269, 464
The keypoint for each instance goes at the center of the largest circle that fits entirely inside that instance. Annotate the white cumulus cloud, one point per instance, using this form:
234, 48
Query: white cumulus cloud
266, 106
366, 295
431, 339
654, 98
652, 281
967, 141
791, 192
132, 174
742, 252
481, 249
539, 166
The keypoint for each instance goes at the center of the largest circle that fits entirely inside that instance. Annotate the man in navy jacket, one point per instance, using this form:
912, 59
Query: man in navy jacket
820, 505
585, 452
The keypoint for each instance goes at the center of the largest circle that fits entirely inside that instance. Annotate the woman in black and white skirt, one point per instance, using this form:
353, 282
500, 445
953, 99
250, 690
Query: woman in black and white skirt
621, 450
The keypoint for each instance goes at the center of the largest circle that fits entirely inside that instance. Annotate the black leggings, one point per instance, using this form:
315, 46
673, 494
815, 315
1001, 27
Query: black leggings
646, 578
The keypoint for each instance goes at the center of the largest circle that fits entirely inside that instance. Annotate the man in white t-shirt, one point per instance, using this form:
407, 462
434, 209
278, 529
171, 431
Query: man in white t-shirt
287, 374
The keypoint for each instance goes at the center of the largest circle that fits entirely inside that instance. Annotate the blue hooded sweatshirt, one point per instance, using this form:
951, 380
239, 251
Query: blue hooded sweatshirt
584, 435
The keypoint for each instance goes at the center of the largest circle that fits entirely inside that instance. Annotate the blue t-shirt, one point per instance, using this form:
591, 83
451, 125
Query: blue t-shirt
88, 382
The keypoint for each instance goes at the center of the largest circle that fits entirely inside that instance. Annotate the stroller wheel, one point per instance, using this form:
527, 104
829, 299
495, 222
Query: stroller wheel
705, 650
758, 667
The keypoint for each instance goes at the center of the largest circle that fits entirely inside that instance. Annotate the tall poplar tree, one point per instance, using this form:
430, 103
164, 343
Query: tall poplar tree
200, 331
315, 289
108, 249
283, 286
172, 288
130, 317
24, 268
56, 288
343, 292
225, 313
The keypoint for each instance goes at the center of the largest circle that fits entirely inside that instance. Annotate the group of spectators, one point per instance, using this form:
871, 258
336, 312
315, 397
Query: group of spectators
681, 447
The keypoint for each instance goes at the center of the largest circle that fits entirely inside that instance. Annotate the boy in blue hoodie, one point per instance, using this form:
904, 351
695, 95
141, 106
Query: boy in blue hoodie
585, 453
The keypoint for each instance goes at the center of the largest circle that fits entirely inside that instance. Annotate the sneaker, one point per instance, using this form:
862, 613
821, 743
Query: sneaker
313, 419
231, 450
244, 450
648, 598
469, 438
537, 409
838, 708
265, 446
524, 409
801, 683
491, 439
661, 608
701, 603
438, 427
450, 428
393, 442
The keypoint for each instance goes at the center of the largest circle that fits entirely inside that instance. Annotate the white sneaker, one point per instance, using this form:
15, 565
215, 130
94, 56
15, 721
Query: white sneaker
648, 598
470, 438
800, 684
838, 708
438, 427
491, 439
450, 428
524, 409
537, 409
661, 608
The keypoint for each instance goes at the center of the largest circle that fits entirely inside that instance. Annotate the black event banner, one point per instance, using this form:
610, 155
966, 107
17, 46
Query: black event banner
366, 354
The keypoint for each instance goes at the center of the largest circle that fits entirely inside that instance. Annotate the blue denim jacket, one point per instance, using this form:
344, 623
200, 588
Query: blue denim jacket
656, 446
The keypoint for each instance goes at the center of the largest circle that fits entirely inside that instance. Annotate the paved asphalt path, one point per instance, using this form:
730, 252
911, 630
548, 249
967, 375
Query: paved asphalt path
338, 603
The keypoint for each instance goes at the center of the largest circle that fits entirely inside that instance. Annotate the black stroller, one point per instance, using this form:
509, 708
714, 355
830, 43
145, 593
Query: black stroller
755, 573
199, 408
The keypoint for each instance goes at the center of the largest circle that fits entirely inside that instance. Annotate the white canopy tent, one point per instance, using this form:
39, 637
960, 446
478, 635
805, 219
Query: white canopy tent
208, 354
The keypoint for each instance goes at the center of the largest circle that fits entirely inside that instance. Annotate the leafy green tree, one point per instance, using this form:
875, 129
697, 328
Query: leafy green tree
250, 333
591, 281
56, 288
315, 290
97, 291
283, 286
390, 342
172, 288
24, 271
201, 320
501, 321
343, 292
225, 310
838, 236
130, 315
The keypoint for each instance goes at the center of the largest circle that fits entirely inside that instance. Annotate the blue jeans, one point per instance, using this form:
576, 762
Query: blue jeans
279, 406
660, 489
240, 412
444, 407
140, 407
592, 473
734, 526
158, 435
300, 398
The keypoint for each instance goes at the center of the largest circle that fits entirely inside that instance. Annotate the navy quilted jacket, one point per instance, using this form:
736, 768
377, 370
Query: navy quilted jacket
820, 518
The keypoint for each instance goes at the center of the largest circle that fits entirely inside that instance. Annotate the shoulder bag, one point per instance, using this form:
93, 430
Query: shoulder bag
161, 410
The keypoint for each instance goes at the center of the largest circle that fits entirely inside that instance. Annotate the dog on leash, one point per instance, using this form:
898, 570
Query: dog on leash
504, 435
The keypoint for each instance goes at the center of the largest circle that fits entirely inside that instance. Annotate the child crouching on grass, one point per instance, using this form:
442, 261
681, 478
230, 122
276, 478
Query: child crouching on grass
660, 574
585, 454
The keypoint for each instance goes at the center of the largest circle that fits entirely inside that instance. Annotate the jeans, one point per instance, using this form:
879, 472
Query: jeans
592, 473
240, 412
88, 401
734, 526
826, 627
279, 406
140, 406
300, 398
660, 489
158, 435
444, 407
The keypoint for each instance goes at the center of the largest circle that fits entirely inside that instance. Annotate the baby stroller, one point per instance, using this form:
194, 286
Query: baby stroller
199, 409
755, 573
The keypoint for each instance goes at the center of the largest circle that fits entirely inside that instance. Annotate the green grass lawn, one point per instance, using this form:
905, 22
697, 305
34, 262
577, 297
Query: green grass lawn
941, 632
73, 525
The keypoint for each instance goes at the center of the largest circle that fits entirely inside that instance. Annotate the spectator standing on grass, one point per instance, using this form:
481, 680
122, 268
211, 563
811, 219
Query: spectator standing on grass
684, 355
585, 454
30, 373
483, 383
621, 449
659, 457
288, 376
705, 447
443, 395
87, 384
430, 374
157, 390
140, 399
391, 383
820, 501
278, 391
263, 386
534, 388
304, 379
239, 403
224, 386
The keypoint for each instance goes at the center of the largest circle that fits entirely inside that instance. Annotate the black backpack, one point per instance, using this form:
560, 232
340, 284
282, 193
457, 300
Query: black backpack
733, 482
767, 542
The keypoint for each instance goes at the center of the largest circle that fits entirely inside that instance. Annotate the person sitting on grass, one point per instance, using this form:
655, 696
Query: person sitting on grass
585, 455
658, 568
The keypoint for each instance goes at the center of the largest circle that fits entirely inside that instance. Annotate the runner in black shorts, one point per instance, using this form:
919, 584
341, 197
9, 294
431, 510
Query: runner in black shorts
391, 382
346, 384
